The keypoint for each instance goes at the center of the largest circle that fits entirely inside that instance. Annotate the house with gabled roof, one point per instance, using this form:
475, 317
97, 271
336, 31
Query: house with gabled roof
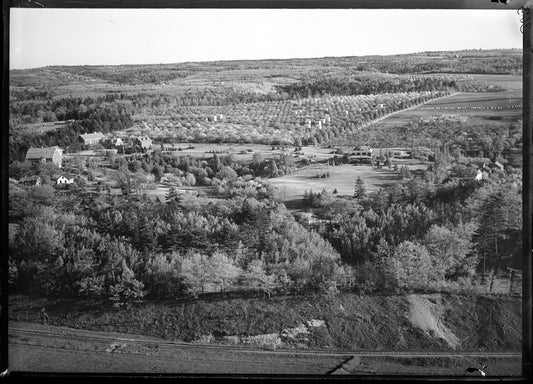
143, 141
64, 178
114, 142
362, 153
91, 138
53, 155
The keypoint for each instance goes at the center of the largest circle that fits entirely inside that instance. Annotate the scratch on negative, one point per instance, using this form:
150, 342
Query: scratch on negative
35, 2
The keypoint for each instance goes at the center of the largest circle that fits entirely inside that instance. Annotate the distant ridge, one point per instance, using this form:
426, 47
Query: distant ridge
480, 52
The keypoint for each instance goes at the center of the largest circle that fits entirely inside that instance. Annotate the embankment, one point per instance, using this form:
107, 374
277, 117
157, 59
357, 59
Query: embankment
438, 322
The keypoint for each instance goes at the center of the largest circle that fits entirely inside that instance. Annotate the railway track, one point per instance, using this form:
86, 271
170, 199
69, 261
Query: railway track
73, 335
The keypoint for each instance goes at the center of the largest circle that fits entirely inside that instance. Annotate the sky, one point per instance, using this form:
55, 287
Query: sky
42, 37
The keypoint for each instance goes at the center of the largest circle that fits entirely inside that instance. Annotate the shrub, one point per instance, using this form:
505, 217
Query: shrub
91, 286
13, 273
411, 266
320, 337
202, 274
128, 290
205, 339
257, 278
270, 340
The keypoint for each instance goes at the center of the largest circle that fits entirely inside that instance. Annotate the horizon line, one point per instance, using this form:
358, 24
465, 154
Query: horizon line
263, 59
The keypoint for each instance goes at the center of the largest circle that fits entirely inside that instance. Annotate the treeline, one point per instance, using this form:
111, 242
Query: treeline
459, 63
30, 93
47, 109
199, 97
131, 74
366, 85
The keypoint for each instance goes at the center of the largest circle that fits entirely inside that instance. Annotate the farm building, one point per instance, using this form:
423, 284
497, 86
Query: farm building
31, 180
52, 155
114, 142
481, 175
361, 154
91, 138
399, 154
362, 150
143, 141
65, 178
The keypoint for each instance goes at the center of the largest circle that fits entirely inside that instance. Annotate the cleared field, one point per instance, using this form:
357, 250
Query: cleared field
241, 152
245, 152
481, 107
342, 177
477, 107
505, 100
511, 82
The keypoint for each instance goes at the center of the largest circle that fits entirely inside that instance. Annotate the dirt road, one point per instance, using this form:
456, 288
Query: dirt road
40, 348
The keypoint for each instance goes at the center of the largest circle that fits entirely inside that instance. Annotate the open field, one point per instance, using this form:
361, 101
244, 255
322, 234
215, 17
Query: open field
342, 177
510, 82
39, 128
476, 106
473, 102
41, 348
241, 152
245, 152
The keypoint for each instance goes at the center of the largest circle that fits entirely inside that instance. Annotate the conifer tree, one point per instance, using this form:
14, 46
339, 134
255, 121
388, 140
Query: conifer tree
273, 172
173, 198
360, 188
